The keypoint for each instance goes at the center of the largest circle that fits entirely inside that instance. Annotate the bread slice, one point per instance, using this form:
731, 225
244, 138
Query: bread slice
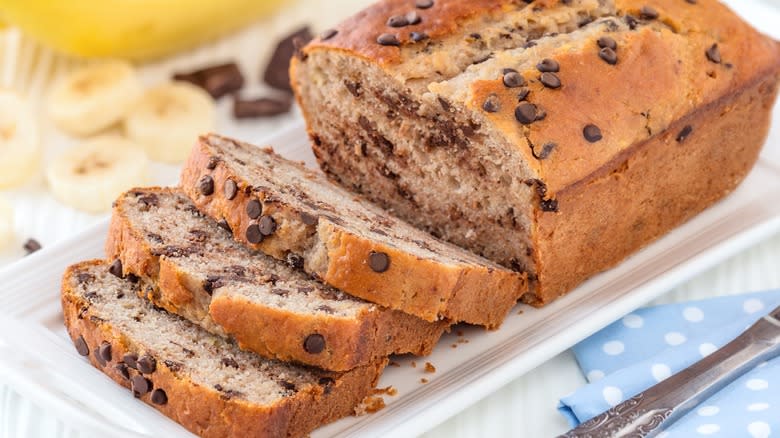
199, 380
270, 308
292, 213
554, 137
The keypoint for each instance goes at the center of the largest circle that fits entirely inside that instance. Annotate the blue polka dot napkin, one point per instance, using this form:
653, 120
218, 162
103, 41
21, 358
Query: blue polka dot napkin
653, 343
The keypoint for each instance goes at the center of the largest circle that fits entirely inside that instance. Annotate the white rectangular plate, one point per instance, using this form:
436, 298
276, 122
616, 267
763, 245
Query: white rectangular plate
40, 361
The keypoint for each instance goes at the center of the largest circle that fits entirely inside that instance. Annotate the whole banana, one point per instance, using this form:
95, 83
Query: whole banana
131, 29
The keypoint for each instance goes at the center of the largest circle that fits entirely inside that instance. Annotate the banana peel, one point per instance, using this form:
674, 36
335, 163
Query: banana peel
130, 29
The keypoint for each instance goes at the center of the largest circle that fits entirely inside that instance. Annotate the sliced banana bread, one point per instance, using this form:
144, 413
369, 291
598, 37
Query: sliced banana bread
555, 137
270, 308
295, 214
199, 380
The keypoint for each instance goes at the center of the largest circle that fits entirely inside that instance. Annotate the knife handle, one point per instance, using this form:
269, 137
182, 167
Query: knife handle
628, 413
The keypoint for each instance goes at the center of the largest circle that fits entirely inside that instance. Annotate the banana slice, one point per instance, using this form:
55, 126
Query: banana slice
6, 223
20, 151
167, 119
91, 175
93, 97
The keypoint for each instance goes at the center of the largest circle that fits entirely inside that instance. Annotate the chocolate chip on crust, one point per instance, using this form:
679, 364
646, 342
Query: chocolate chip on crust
513, 79
713, 54
550, 80
608, 55
378, 261
81, 346
267, 225
397, 21
122, 370
686, 131
548, 65
592, 133
140, 385
545, 152
525, 113
418, 36
212, 164
230, 189
314, 343
131, 359
648, 13
104, 351
388, 39
253, 234
116, 268
328, 34
606, 41
159, 397
423, 4
206, 185
492, 104
146, 364
254, 209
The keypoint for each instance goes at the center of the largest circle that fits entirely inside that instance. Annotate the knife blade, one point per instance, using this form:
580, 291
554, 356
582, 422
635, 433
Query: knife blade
653, 410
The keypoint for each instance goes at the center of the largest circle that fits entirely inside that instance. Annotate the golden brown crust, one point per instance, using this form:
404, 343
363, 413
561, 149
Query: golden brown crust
268, 331
423, 288
202, 410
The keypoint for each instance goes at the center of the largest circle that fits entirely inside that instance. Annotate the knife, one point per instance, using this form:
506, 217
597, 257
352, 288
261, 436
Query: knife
650, 412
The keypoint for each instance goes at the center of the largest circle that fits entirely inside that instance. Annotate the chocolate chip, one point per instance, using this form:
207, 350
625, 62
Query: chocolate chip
84, 277
492, 104
146, 364
413, 18
525, 113
225, 226
397, 21
648, 13
513, 79
81, 346
116, 268
713, 54
294, 260
267, 225
550, 80
592, 133
523, 94
328, 34
631, 21
546, 151
418, 36
693, 2
314, 343
229, 362
686, 131
378, 261
230, 189
206, 185
131, 359
253, 234
31, 245
210, 283
140, 385
548, 65
308, 219
104, 351
608, 55
159, 397
388, 39
212, 164
549, 205
423, 4
99, 358
277, 72
122, 370
289, 386
260, 107
606, 41
217, 80
254, 209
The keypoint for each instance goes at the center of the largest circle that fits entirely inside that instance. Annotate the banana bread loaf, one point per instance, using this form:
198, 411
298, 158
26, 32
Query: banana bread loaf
202, 274
199, 380
294, 214
554, 137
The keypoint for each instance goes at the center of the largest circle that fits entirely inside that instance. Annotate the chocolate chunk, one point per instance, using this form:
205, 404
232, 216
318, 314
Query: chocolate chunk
418, 36
81, 346
116, 268
631, 21
388, 39
606, 41
549, 205
210, 283
686, 131
146, 364
213, 162
159, 397
608, 55
592, 133
308, 219
289, 386
550, 80
648, 13
267, 225
277, 72
423, 4
122, 370
548, 66
525, 113
294, 260
104, 351
546, 151
523, 94
229, 362
31, 245
140, 385
131, 359
492, 104
173, 365
99, 358
397, 21
413, 18
254, 209
314, 343
253, 234
230, 189
84, 277
328, 34
260, 107
513, 79
206, 185
713, 54
217, 80
378, 261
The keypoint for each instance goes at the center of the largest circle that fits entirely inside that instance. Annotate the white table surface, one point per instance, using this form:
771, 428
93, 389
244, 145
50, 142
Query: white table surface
524, 408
